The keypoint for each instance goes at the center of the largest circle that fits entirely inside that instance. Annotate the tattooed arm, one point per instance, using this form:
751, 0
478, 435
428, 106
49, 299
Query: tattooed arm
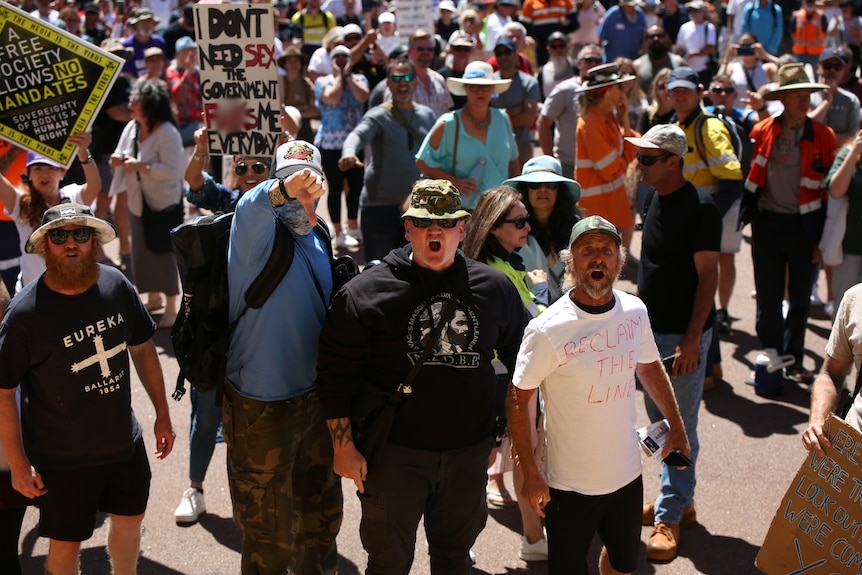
348, 461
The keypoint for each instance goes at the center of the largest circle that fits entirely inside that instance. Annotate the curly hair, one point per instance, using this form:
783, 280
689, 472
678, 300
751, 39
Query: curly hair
490, 210
155, 100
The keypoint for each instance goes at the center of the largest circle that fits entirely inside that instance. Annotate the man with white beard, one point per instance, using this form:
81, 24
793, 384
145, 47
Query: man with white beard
558, 67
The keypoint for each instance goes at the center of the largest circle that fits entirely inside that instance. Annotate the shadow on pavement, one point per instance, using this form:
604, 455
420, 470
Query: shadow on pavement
758, 419
223, 530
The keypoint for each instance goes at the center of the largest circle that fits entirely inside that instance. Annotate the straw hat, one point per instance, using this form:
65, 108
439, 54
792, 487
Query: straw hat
792, 77
602, 77
477, 73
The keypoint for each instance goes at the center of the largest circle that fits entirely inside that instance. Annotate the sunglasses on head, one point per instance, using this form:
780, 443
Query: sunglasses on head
549, 185
520, 223
402, 77
428, 222
241, 168
650, 160
80, 235
832, 65
722, 90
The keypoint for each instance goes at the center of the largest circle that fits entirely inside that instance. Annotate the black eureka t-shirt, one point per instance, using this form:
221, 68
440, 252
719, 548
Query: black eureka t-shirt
70, 356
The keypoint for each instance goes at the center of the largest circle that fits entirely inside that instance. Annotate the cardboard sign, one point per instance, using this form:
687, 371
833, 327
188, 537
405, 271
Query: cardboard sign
239, 79
818, 527
52, 84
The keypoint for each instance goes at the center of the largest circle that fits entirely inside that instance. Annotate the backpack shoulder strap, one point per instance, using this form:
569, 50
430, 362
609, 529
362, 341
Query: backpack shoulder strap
699, 126
276, 267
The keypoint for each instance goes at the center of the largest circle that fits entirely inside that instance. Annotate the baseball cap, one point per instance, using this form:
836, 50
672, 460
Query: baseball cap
833, 53
683, 77
507, 42
339, 50
352, 29
64, 215
594, 225
666, 137
386, 17
436, 200
34, 158
153, 51
295, 156
184, 43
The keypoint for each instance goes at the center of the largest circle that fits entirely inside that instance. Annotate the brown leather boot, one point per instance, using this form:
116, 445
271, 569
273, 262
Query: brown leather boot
663, 542
689, 514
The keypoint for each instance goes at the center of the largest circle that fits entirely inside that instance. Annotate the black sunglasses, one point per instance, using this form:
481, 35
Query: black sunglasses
428, 222
461, 48
720, 90
595, 60
520, 223
556, 46
650, 160
241, 168
80, 235
423, 48
657, 36
549, 185
832, 66
502, 52
402, 77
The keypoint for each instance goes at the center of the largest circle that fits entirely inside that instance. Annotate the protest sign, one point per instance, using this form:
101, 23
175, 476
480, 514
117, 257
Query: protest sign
818, 527
239, 79
415, 15
52, 84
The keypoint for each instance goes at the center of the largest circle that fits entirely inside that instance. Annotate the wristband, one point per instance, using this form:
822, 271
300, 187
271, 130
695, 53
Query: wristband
283, 191
200, 156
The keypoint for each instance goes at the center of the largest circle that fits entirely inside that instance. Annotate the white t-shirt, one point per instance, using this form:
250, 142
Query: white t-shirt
320, 62
585, 365
736, 8
696, 38
32, 265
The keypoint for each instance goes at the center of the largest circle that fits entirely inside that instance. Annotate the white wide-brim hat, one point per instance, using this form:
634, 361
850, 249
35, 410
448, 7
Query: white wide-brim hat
477, 73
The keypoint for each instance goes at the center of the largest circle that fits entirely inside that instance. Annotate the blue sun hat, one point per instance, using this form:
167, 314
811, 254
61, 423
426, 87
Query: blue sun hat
545, 170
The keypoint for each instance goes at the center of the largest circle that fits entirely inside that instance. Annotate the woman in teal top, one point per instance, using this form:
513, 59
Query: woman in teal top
499, 226
845, 180
474, 147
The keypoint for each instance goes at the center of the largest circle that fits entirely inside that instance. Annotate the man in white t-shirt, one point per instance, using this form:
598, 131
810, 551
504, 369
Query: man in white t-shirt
583, 352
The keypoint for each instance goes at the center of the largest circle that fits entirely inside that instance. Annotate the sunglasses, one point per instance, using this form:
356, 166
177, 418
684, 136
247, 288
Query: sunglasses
352, 38
832, 66
593, 60
549, 185
502, 52
650, 160
720, 90
241, 168
520, 223
423, 223
557, 46
461, 48
423, 49
402, 77
656, 36
80, 235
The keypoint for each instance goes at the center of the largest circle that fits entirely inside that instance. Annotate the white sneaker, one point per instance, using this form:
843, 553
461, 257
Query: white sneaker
537, 551
355, 233
191, 506
346, 241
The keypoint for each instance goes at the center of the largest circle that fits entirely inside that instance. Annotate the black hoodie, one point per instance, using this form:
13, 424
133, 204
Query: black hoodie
372, 333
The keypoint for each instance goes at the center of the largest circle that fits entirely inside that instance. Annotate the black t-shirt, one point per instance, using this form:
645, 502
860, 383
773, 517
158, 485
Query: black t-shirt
70, 356
676, 226
107, 132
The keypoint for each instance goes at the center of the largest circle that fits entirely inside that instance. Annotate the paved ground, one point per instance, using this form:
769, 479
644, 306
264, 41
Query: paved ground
750, 450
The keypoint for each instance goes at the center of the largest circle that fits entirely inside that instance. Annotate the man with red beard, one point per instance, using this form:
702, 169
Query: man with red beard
677, 280
584, 352
66, 341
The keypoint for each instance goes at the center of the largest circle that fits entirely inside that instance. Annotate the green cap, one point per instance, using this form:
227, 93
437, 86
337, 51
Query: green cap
436, 200
594, 224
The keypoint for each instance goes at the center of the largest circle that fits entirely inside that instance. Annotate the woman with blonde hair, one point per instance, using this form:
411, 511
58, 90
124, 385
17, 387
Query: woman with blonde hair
660, 109
602, 154
632, 89
499, 227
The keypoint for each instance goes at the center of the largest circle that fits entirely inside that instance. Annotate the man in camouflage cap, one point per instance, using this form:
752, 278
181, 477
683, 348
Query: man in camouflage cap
434, 462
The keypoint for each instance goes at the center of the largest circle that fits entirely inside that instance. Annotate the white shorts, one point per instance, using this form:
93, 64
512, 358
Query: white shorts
731, 236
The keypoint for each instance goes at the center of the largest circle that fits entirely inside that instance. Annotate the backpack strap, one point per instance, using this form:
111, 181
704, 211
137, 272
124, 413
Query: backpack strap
399, 117
699, 125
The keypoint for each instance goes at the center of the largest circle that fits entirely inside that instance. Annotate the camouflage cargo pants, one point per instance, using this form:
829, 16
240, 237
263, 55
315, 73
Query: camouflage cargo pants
287, 501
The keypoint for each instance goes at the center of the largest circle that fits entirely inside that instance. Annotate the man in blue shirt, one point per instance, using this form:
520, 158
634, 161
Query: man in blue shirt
622, 30
763, 19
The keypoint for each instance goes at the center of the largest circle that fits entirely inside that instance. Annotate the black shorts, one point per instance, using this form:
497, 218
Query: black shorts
67, 512
573, 519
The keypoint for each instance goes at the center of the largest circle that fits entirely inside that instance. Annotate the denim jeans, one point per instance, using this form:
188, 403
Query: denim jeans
206, 418
677, 485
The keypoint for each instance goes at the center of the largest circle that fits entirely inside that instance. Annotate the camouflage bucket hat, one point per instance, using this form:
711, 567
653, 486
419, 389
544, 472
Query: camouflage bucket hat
436, 200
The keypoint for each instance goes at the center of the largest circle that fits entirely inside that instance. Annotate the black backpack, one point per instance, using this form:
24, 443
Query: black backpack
201, 334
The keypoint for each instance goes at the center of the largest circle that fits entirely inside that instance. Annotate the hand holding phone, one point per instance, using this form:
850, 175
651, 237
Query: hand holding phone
677, 458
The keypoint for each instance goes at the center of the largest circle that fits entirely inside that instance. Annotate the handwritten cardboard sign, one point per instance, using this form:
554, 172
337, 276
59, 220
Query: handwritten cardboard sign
239, 79
818, 527
52, 84
414, 15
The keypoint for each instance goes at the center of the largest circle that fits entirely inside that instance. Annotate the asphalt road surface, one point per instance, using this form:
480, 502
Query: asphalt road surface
750, 451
